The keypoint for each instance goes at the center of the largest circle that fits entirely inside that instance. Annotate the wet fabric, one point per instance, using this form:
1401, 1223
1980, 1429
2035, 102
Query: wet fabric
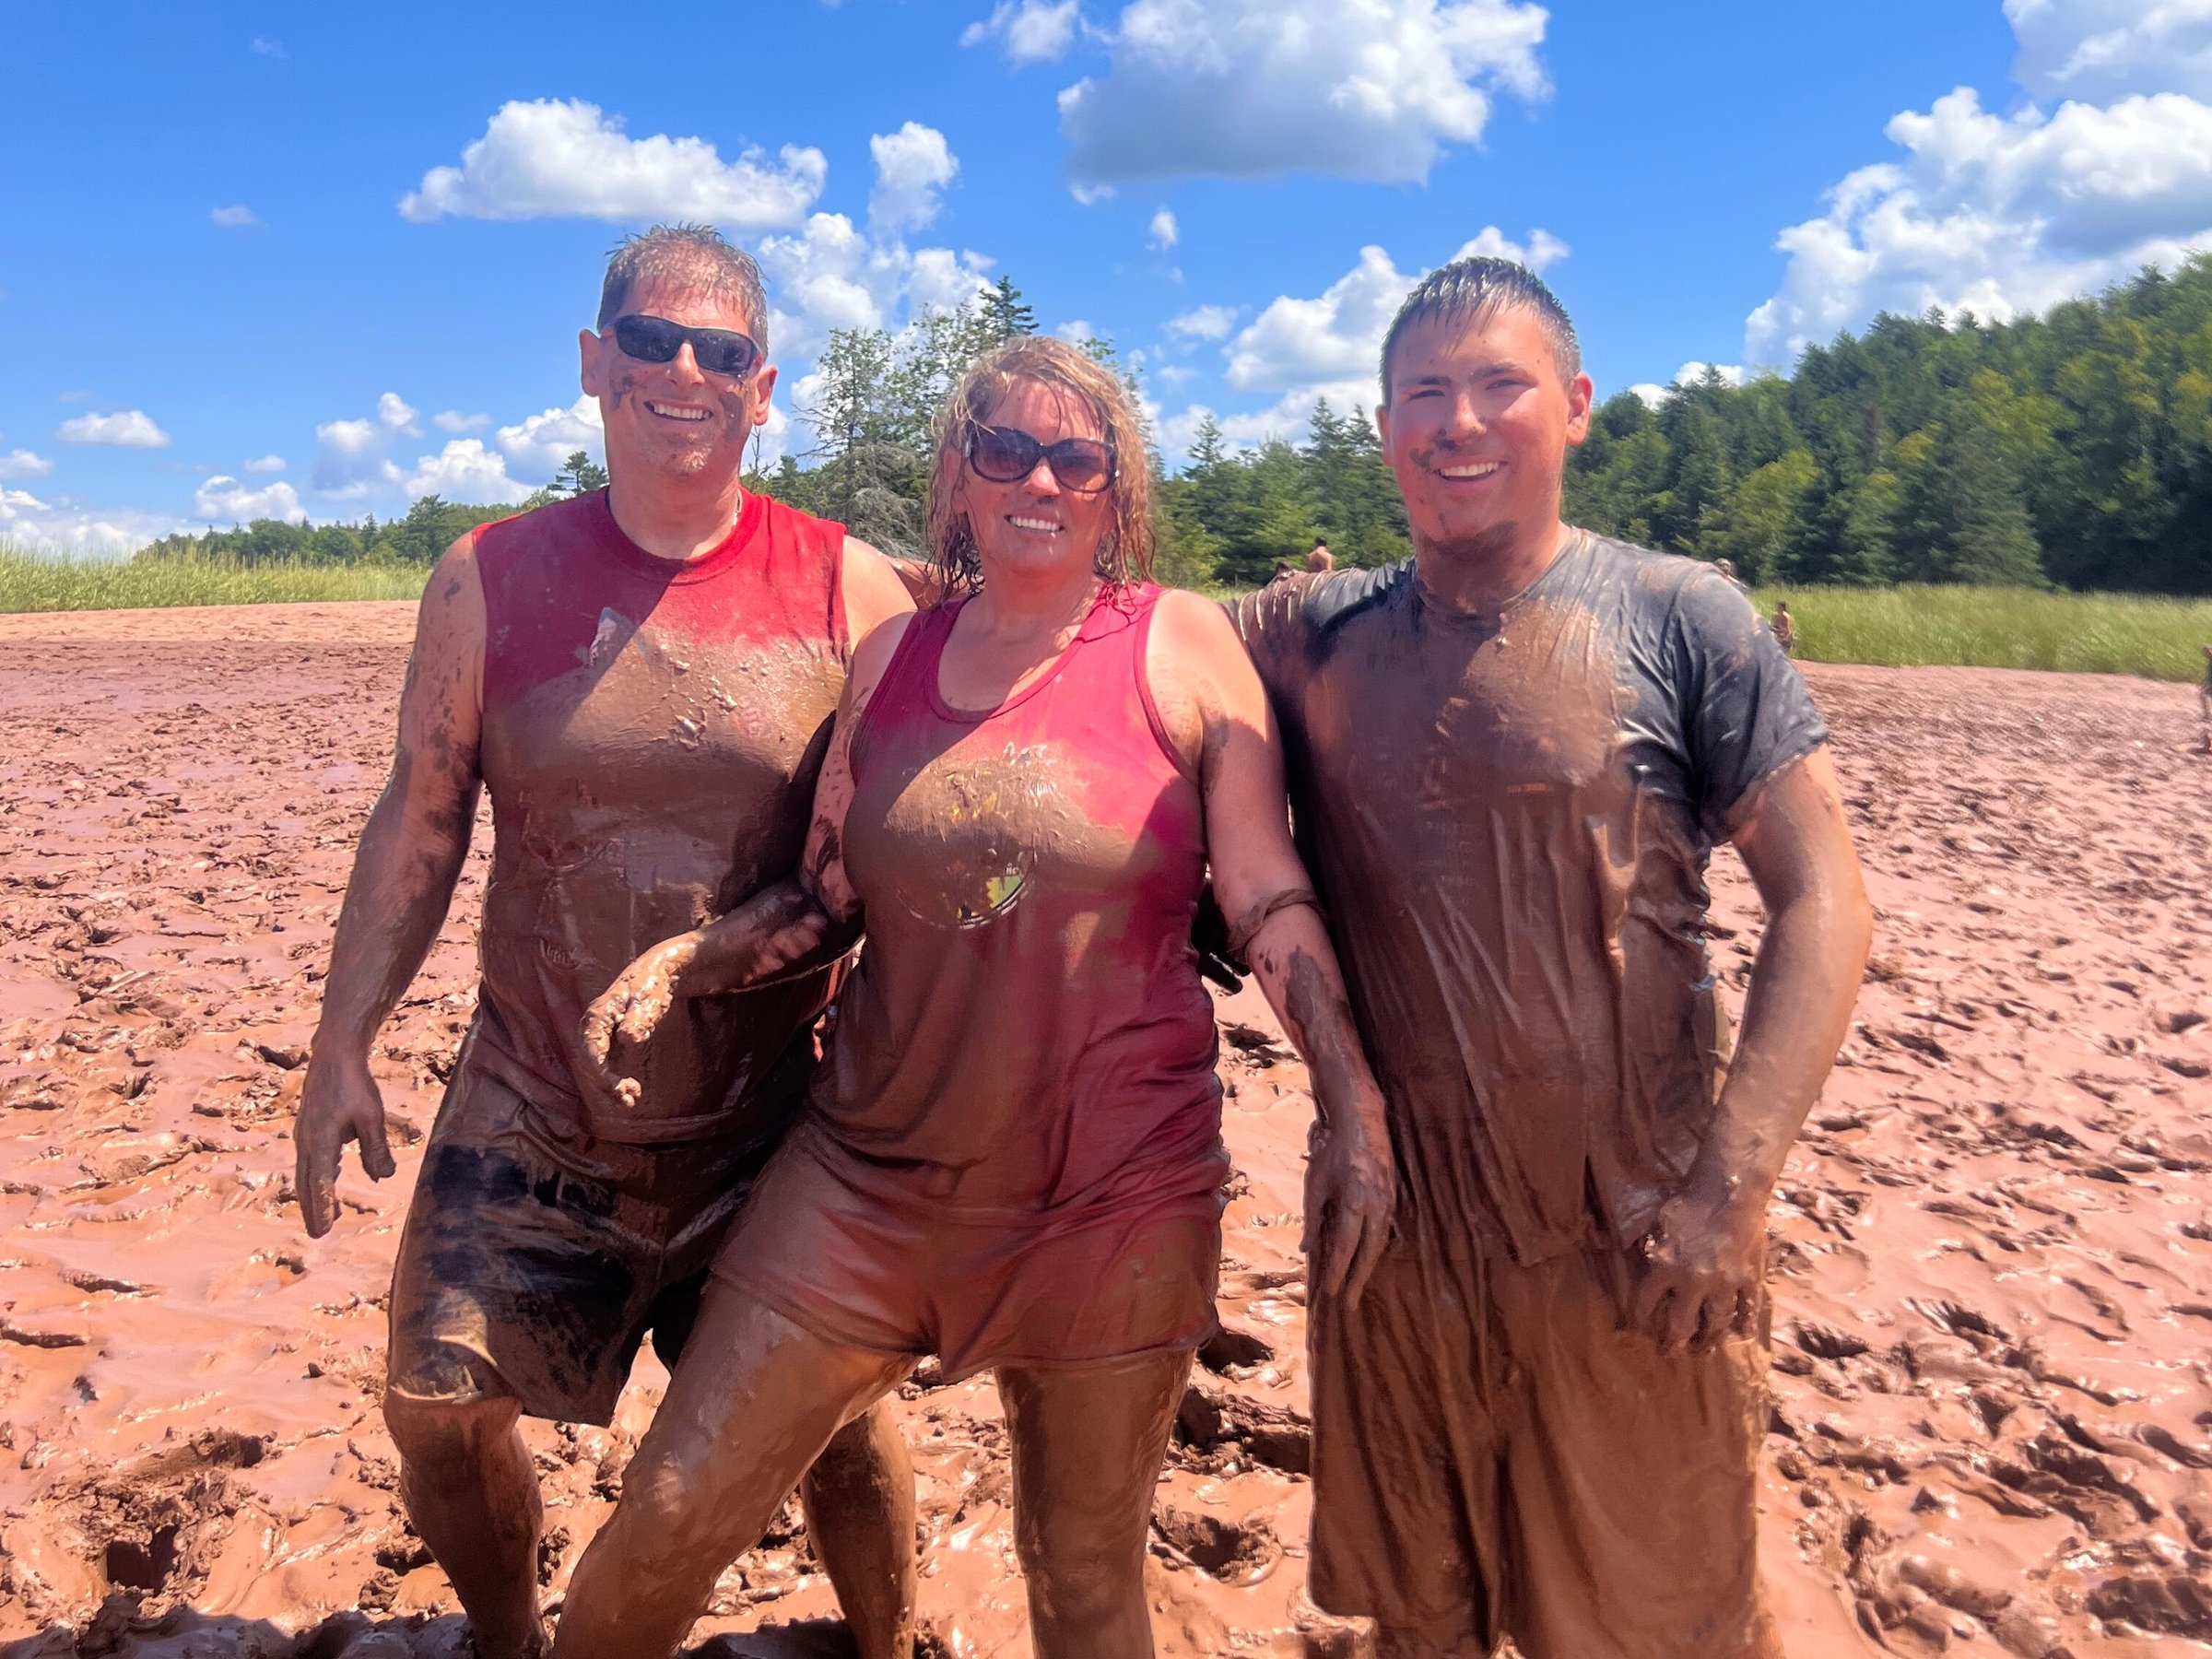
1508, 818
1493, 1456
651, 735
1022, 1070
536, 1258
846, 1257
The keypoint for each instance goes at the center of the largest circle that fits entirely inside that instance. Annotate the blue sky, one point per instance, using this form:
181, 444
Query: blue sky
234, 280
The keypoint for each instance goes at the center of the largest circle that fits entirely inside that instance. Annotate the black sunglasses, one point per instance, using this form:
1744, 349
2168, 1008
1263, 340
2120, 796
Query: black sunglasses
1004, 456
657, 340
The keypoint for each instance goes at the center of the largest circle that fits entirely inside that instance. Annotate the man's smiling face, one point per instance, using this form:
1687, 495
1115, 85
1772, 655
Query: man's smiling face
672, 418
1478, 425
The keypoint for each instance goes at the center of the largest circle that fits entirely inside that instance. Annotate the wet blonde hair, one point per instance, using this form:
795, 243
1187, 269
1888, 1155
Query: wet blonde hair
1124, 552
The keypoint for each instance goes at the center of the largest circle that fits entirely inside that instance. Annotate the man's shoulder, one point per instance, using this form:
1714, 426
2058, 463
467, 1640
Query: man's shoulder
1317, 603
780, 518
1666, 585
563, 519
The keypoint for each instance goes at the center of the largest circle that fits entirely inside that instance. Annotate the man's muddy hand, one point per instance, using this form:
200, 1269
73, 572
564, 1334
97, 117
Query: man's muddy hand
1700, 1285
631, 1009
339, 1102
1351, 1197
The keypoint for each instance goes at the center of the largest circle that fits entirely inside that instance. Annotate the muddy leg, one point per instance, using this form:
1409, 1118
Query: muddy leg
1087, 1446
860, 1512
752, 1404
466, 1479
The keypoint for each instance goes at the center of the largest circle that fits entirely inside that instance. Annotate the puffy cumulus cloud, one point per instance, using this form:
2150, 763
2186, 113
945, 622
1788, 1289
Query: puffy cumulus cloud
913, 165
127, 429
1288, 418
1541, 250
1334, 337
263, 464
355, 459
1029, 31
1690, 373
1996, 215
452, 420
554, 158
539, 447
1163, 233
1207, 323
22, 464
831, 275
464, 471
394, 411
238, 216
2107, 48
1367, 89
65, 527
223, 500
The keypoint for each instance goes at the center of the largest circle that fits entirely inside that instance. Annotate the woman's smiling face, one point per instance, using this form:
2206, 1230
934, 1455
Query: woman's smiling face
1036, 524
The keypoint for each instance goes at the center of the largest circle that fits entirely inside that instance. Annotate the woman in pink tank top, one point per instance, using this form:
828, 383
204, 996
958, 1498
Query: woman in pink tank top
1012, 1157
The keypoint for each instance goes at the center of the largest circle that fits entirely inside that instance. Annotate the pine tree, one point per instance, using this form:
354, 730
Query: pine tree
1006, 312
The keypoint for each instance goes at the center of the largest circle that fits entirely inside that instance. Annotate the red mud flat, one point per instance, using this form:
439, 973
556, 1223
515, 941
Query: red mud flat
1993, 1249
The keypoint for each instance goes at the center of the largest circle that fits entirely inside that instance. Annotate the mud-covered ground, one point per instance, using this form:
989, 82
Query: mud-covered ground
1994, 1249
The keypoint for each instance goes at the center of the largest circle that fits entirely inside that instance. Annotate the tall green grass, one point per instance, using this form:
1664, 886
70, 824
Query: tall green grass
2000, 628
30, 582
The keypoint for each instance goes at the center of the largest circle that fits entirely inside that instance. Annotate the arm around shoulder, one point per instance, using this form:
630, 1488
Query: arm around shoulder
874, 588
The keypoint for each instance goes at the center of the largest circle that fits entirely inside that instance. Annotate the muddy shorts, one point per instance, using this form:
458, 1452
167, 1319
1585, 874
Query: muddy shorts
1493, 1456
828, 1242
536, 1258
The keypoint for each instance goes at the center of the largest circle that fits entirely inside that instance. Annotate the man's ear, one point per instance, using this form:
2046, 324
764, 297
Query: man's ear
589, 349
1580, 392
766, 384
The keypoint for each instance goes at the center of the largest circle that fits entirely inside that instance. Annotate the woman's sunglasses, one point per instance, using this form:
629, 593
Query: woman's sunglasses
657, 340
1007, 456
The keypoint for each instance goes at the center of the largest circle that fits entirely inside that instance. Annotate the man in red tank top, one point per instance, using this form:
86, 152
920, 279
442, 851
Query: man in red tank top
643, 678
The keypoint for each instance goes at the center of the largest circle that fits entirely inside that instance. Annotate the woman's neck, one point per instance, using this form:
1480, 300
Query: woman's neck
1017, 605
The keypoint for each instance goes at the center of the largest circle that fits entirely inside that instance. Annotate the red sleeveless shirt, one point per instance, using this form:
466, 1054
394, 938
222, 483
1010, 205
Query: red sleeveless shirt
1027, 1027
651, 734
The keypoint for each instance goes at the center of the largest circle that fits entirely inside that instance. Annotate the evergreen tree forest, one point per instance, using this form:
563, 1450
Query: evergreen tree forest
2071, 451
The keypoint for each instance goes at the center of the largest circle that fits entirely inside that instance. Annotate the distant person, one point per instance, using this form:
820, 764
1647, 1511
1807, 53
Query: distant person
2204, 696
1784, 626
1321, 560
1726, 567
643, 677
1511, 756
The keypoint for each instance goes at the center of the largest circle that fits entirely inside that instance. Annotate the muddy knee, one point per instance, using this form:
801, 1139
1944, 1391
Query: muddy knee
1079, 1567
436, 1432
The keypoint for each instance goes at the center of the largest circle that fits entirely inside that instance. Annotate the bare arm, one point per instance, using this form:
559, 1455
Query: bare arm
875, 588
790, 927
1212, 702
1705, 1253
410, 856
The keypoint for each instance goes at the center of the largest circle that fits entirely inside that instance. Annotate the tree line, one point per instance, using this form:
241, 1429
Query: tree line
2070, 450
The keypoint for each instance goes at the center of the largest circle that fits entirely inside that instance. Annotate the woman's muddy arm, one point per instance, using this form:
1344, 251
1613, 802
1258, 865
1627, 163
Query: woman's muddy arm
1706, 1251
1212, 702
793, 927
410, 856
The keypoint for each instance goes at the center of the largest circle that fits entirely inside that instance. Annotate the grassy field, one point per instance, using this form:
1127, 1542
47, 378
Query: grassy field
33, 582
2000, 628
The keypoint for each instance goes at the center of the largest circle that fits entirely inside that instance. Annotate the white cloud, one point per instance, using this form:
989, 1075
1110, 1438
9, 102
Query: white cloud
64, 527
1333, 338
1207, 323
1996, 215
394, 411
1367, 89
464, 471
1075, 331
265, 464
452, 420
1690, 373
127, 429
266, 47
830, 275
1029, 31
238, 216
554, 158
913, 165
22, 464
1288, 418
1542, 249
1164, 232
2103, 48
538, 447
224, 499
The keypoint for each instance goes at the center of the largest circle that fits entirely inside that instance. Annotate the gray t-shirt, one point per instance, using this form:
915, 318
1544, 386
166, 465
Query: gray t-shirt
1508, 818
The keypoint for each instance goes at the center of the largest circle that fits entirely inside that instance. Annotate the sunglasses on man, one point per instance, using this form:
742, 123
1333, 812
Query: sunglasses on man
1007, 455
715, 350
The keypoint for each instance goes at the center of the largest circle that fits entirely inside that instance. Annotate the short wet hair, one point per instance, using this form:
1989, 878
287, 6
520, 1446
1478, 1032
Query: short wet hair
1477, 287
1124, 552
694, 254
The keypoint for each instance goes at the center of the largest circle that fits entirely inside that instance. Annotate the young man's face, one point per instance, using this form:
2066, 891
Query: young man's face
1478, 425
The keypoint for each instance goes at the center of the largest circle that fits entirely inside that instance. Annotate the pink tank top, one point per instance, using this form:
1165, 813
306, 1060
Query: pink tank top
651, 734
1027, 1027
